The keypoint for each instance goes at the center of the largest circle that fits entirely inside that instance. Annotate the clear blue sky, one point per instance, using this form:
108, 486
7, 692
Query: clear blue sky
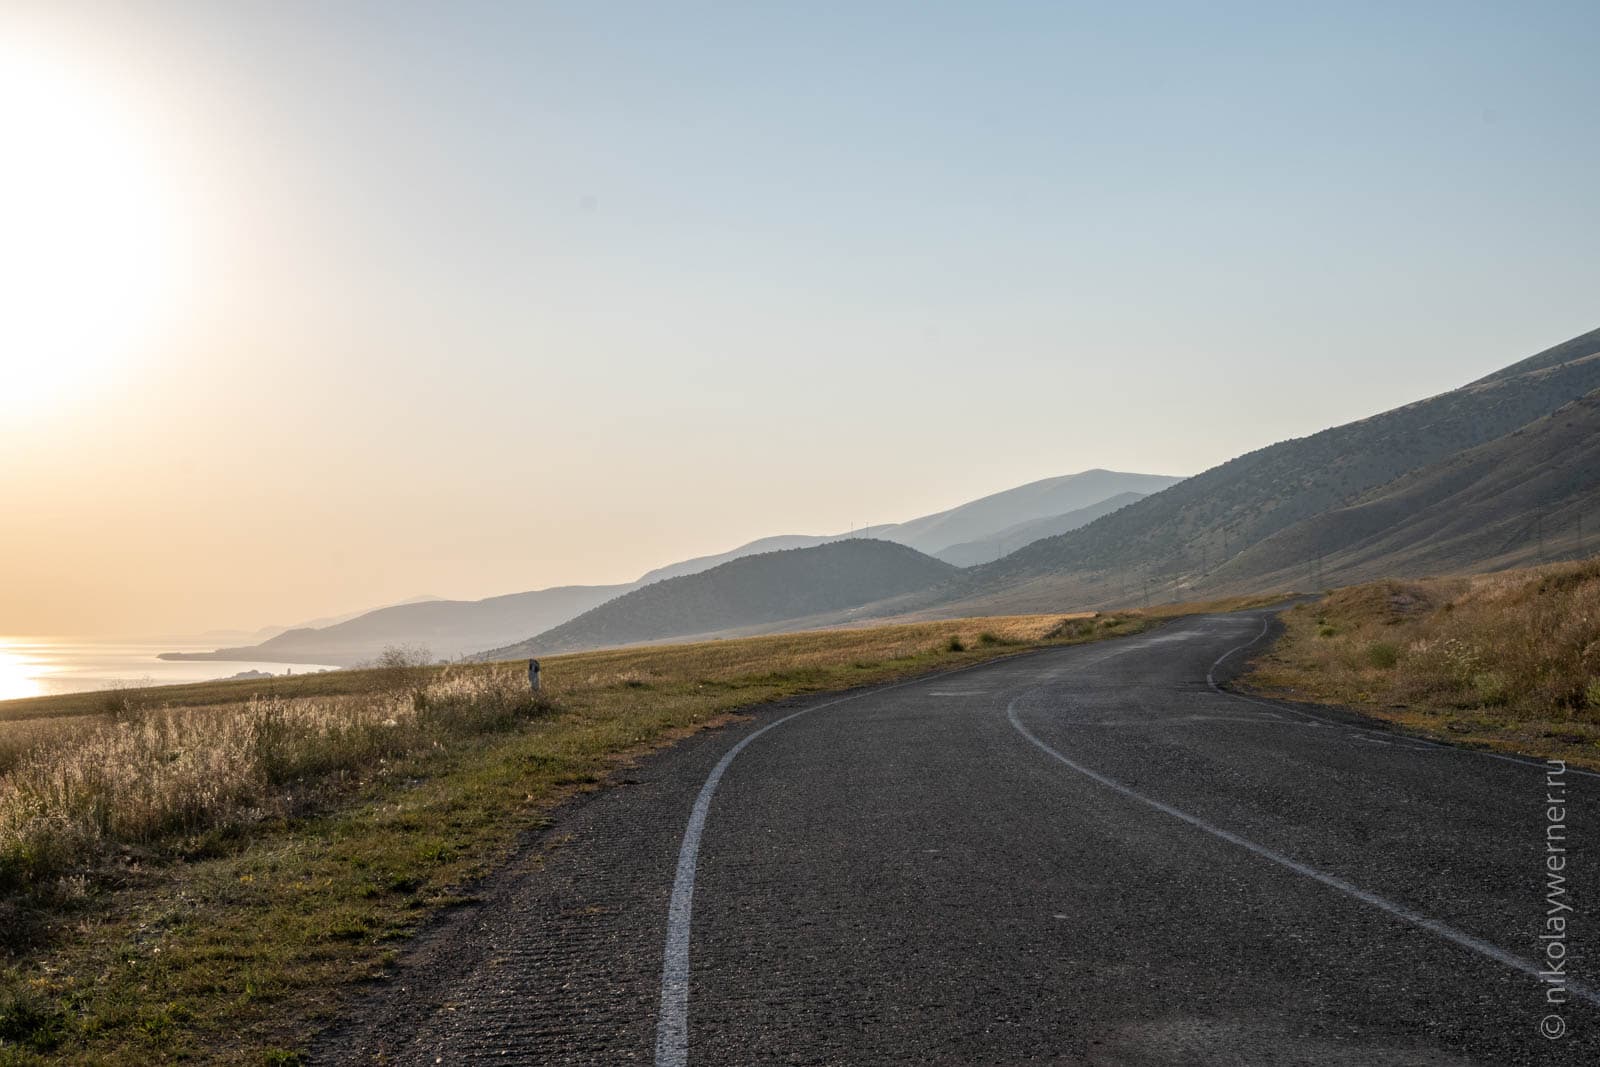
483, 297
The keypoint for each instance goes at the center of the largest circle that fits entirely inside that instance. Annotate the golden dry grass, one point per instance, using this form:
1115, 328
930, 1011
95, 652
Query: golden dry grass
71, 786
1510, 660
195, 694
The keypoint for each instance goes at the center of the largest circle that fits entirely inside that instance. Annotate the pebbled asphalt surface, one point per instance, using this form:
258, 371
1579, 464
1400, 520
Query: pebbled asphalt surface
1089, 855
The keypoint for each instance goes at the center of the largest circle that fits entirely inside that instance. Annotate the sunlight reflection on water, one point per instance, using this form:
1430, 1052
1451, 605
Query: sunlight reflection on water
41, 666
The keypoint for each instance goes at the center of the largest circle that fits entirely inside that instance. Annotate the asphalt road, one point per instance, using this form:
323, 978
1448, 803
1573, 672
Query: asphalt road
1089, 855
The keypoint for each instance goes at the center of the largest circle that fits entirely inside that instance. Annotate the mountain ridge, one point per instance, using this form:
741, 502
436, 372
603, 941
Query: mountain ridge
1042, 499
972, 553
1164, 541
447, 628
1273, 487
462, 627
768, 587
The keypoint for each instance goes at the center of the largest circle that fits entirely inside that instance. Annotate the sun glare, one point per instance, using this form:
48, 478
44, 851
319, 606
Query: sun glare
85, 248
19, 672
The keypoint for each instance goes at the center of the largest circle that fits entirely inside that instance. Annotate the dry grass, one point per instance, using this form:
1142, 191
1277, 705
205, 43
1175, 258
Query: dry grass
71, 787
195, 694
1509, 659
189, 879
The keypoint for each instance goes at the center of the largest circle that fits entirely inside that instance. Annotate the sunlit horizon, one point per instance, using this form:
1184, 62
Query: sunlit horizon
858, 533
312, 312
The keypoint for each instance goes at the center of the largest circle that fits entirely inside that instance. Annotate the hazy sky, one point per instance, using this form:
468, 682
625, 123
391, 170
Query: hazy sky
317, 306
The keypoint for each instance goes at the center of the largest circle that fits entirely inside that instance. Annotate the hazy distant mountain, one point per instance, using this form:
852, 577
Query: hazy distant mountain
453, 628
1530, 495
266, 633
765, 588
779, 543
1003, 542
975, 521
989, 515
1317, 492
449, 628
1172, 538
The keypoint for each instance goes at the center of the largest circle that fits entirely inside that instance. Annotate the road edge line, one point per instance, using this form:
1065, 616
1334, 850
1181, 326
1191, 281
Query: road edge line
1448, 933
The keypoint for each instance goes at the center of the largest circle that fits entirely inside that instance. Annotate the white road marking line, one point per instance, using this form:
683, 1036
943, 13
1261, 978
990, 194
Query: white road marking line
1528, 763
672, 1025
1399, 911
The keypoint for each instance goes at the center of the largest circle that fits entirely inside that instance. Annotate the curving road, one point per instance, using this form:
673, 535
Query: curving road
1090, 855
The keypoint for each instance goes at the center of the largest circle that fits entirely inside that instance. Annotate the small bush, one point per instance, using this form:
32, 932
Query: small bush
1075, 629
403, 667
1490, 688
955, 644
1591, 694
124, 702
1383, 655
403, 657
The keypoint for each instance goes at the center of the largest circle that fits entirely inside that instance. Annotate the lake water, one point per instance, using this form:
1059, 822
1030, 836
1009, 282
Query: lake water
41, 666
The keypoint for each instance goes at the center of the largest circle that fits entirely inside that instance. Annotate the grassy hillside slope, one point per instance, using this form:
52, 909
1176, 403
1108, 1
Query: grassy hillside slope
770, 587
1498, 505
1565, 352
